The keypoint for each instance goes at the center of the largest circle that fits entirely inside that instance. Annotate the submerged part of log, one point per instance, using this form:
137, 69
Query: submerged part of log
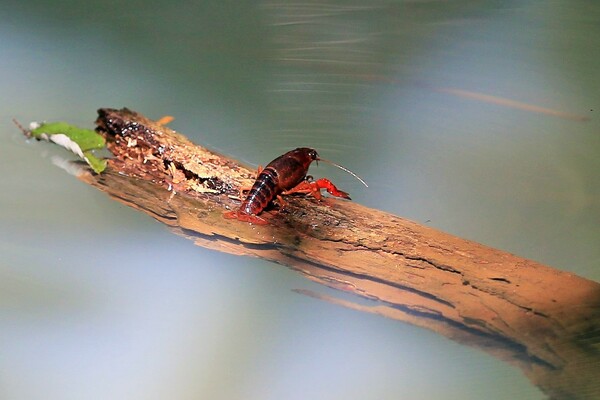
544, 320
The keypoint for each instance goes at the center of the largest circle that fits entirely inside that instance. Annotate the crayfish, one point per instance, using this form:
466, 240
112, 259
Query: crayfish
287, 174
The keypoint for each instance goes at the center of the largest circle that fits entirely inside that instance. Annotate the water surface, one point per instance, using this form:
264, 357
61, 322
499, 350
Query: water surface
99, 301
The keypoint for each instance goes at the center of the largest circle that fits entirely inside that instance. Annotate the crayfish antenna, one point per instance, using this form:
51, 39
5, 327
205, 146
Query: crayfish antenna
344, 169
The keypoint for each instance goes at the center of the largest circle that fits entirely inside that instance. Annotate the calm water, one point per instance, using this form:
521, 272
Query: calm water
479, 117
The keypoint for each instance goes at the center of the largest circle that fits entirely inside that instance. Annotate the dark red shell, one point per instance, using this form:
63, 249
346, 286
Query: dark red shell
281, 174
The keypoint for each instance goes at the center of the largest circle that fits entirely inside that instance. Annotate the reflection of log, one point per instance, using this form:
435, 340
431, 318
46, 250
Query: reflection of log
543, 320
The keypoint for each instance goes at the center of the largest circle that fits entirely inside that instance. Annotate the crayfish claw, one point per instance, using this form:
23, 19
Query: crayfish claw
326, 184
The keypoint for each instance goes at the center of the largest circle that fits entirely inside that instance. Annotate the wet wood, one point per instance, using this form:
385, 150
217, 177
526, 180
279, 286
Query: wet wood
544, 320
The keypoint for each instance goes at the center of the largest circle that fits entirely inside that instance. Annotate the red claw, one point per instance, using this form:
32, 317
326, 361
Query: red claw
314, 189
325, 183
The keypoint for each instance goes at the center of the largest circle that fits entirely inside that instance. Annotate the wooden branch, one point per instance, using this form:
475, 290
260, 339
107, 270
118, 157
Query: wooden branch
543, 320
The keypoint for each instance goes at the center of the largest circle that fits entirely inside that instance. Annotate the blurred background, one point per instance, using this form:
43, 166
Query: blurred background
476, 117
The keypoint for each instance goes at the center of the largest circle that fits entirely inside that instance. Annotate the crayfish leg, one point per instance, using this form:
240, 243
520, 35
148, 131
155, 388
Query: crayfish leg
305, 187
282, 203
244, 217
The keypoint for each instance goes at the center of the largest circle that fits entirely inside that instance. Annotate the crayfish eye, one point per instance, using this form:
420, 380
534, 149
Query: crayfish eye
313, 155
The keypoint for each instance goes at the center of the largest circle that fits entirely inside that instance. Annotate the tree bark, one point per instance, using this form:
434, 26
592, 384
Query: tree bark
543, 320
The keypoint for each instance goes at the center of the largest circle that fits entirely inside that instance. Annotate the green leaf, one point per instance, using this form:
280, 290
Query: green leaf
85, 138
79, 141
97, 164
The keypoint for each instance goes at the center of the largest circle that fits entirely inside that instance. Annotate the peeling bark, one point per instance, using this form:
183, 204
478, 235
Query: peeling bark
543, 320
